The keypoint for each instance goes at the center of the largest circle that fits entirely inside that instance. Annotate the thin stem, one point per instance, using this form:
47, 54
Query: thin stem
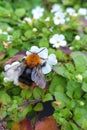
26, 103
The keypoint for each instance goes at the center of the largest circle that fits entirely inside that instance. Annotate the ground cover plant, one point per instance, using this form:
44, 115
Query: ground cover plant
43, 65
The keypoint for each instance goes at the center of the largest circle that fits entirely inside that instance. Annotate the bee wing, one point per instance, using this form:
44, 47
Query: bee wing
38, 77
13, 73
17, 68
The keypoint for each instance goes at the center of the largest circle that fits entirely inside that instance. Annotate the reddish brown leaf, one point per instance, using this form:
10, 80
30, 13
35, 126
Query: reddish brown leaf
2, 125
0, 103
17, 57
22, 125
66, 50
2, 55
48, 123
83, 21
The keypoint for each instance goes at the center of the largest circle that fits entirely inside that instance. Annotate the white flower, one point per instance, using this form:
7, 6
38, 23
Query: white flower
51, 29
5, 33
79, 77
28, 20
37, 12
56, 8
58, 40
49, 60
9, 39
67, 19
34, 30
77, 37
71, 11
47, 19
0, 31
59, 18
9, 29
82, 11
11, 74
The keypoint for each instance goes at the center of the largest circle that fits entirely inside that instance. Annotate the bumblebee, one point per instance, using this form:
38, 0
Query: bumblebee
29, 70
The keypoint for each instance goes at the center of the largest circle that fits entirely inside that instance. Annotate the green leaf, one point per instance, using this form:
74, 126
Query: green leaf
38, 107
84, 87
28, 34
66, 113
80, 61
20, 12
61, 70
26, 93
47, 97
70, 67
12, 52
16, 34
70, 126
50, 50
4, 97
38, 93
61, 55
22, 114
3, 113
61, 97
4, 12
16, 91
57, 84
44, 43
73, 88
80, 117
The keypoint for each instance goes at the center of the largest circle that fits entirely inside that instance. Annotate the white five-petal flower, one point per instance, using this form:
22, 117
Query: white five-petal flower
58, 40
82, 11
56, 8
37, 12
71, 11
59, 18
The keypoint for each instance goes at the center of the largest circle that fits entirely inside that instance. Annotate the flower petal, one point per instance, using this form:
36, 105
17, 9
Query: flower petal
46, 69
43, 53
63, 43
52, 40
52, 59
28, 52
34, 49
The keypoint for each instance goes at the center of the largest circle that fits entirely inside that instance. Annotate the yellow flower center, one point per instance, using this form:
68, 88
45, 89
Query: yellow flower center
32, 60
58, 17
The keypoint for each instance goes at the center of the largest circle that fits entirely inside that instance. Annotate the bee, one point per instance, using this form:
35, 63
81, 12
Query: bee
29, 70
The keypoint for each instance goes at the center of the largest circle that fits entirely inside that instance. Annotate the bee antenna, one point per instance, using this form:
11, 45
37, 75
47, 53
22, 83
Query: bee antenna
30, 52
41, 50
38, 52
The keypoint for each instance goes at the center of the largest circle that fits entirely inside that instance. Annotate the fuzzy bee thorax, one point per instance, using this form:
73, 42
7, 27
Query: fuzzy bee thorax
33, 60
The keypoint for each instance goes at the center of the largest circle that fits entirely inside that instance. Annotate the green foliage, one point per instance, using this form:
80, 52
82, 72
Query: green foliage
47, 97
5, 98
20, 12
38, 107
80, 61
66, 83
